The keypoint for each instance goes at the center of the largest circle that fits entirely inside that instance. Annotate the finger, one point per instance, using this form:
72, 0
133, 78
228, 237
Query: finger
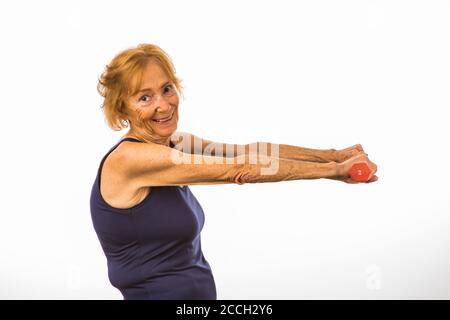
350, 180
375, 168
372, 174
358, 147
361, 152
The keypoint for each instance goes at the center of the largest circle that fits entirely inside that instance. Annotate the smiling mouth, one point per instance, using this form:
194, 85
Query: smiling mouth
165, 119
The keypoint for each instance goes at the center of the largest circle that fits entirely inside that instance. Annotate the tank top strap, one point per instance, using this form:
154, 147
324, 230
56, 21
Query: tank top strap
129, 139
137, 140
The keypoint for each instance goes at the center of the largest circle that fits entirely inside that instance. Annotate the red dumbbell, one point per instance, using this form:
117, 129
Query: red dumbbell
360, 172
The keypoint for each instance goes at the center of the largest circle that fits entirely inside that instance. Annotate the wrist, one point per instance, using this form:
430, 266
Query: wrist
339, 170
334, 155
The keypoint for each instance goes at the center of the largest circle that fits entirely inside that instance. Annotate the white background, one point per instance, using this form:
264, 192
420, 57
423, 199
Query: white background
320, 74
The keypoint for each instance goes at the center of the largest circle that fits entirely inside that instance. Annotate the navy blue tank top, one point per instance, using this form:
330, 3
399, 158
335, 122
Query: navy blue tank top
153, 249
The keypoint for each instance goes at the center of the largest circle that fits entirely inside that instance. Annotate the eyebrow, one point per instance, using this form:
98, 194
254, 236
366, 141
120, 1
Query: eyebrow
150, 89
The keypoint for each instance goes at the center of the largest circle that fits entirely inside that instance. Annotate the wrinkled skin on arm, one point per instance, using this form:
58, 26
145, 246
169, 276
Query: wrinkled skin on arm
339, 159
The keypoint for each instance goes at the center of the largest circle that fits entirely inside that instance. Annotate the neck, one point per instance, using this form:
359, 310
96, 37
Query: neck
147, 137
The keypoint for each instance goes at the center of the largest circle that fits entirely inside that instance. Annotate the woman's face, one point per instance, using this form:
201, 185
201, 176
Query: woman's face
157, 100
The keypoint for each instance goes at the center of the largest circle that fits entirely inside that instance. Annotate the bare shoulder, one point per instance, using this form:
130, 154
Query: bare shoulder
124, 160
117, 189
129, 150
130, 159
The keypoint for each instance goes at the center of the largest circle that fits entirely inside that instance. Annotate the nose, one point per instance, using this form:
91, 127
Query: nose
162, 105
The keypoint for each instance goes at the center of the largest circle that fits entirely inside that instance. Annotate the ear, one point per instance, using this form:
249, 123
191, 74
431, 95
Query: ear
123, 113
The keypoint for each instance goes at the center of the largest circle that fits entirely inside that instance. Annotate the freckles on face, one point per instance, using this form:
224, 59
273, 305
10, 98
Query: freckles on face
157, 97
144, 114
144, 118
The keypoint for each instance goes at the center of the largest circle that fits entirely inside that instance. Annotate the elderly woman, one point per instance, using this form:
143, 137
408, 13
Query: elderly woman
147, 219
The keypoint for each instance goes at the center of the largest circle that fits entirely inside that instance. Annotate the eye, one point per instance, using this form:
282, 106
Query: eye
169, 90
144, 98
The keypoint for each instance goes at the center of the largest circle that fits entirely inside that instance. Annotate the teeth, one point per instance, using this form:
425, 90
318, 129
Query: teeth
164, 120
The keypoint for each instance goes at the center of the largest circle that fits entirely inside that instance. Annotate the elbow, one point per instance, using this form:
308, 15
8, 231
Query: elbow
241, 175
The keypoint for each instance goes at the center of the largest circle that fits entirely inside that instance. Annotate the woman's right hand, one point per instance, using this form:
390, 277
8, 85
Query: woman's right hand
343, 172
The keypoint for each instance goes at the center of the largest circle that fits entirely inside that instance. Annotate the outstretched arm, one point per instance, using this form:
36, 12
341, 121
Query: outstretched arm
292, 152
193, 144
152, 164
